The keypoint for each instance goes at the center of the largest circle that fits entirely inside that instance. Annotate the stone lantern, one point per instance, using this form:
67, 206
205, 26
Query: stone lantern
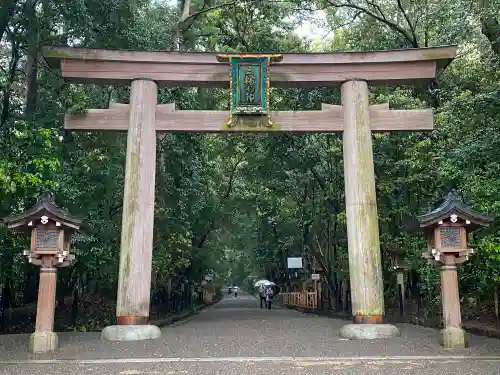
399, 266
50, 228
446, 228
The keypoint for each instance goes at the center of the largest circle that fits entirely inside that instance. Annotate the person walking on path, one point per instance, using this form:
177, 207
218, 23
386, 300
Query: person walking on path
262, 295
269, 293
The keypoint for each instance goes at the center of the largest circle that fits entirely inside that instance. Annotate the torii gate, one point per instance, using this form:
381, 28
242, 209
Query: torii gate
144, 117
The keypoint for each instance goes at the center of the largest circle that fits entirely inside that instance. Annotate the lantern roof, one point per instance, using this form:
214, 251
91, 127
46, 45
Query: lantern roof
45, 206
453, 204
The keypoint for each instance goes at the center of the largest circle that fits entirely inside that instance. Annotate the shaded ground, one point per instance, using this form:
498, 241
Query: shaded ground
224, 339
388, 367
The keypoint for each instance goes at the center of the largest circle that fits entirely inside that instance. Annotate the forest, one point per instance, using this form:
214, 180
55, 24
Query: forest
236, 206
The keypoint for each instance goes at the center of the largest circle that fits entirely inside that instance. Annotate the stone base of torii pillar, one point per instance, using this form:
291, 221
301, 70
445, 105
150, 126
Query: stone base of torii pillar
130, 333
43, 342
453, 338
369, 331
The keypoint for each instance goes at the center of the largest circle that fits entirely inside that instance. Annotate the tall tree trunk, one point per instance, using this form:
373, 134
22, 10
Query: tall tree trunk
490, 26
31, 60
5, 113
184, 8
6, 13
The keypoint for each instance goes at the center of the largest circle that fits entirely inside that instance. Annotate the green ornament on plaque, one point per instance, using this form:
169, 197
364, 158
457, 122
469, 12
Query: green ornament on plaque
250, 90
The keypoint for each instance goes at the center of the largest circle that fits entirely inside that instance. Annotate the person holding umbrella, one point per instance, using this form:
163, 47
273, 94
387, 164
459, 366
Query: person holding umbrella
265, 291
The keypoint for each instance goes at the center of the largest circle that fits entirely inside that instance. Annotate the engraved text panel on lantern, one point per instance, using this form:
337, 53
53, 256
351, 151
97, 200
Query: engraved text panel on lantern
450, 237
46, 239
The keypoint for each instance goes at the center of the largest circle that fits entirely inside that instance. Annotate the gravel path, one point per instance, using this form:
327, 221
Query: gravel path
235, 336
260, 368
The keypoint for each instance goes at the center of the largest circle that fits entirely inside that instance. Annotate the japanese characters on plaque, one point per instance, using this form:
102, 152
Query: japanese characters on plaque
46, 239
450, 237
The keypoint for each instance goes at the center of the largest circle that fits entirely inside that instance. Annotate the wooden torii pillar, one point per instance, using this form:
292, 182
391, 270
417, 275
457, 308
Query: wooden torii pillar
143, 117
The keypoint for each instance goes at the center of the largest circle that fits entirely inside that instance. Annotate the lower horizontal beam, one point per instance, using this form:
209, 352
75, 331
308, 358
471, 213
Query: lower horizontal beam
327, 120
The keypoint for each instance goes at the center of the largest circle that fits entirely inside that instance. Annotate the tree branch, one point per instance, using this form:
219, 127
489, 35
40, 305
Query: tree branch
209, 9
237, 28
321, 181
381, 19
233, 174
203, 238
378, 8
412, 27
185, 17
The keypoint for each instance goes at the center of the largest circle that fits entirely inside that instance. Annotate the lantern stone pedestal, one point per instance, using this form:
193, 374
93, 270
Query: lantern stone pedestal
453, 336
50, 228
43, 340
446, 228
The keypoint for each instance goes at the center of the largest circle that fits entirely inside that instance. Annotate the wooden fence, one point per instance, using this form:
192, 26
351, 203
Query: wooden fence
300, 299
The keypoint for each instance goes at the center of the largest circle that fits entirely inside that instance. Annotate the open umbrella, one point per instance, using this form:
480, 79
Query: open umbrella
260, 283
263, 283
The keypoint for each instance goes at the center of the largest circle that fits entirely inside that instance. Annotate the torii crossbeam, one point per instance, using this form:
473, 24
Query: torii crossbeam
144, 117
328, 119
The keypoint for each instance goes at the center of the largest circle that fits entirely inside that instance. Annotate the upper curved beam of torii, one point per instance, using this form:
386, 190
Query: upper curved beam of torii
205, 69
